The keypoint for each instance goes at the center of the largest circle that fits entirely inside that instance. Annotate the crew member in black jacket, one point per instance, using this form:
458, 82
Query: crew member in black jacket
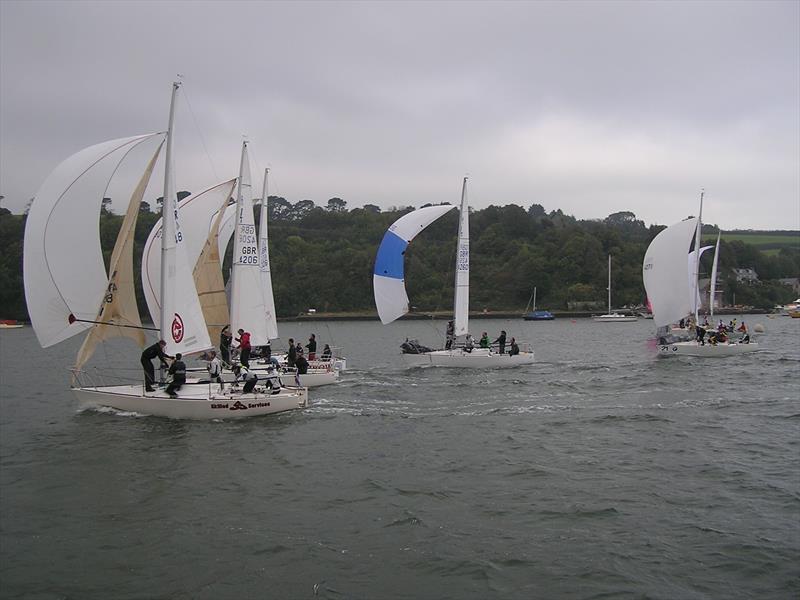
154, 351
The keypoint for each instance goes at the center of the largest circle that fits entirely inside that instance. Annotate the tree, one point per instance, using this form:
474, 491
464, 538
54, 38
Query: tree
279, 209
105, 206
371, 208
337, 205
536, 211
144, 207
302, 208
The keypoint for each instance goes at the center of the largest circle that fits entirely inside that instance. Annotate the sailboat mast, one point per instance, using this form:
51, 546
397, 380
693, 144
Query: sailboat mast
169, 244
461, 300
534, 298
696, 282
609, 284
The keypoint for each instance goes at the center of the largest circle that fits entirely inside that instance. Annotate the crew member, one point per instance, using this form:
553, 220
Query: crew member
151, 352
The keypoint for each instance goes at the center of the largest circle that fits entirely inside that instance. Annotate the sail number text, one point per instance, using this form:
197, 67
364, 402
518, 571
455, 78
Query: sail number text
248, 250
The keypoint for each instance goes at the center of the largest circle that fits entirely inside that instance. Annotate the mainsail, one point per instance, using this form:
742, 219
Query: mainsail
712, 295
271, 320
388, 276
461, 300
248, 310
181, 317
694, 280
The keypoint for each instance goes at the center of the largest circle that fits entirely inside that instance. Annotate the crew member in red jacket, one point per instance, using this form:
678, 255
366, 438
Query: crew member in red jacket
244, 347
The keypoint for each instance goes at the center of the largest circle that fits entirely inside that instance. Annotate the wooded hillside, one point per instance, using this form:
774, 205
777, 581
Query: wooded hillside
323, 258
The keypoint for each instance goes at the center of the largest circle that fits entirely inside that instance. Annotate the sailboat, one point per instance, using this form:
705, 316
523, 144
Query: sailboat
70, 292
673, 296
536, 315
252, 300
391, 298
613, 317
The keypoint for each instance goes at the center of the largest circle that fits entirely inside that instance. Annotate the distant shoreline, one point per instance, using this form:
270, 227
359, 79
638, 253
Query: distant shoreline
438, 315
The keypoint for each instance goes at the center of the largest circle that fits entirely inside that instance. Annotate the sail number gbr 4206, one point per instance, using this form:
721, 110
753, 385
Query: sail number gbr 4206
248, 248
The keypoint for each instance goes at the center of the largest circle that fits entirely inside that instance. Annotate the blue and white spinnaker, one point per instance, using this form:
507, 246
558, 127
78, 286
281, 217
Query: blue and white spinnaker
388, 276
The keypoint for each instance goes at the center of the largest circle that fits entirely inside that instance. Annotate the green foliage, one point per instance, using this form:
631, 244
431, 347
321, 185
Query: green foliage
12, 294
323, 258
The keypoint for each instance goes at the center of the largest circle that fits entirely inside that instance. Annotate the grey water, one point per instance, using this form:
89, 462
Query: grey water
601, 471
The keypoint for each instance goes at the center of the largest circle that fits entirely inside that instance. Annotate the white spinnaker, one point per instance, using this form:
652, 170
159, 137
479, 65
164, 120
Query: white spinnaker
664, 273
694, 282
181, 317
388, 281
461, 300
264, 264
63, 264
248, 311
197, 218
119, 314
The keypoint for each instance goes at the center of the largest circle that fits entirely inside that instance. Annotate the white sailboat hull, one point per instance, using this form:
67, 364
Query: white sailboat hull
479, 358
706, 351
615, 318
196, 402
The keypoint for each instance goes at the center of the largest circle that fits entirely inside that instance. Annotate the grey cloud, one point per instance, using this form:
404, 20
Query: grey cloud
591, 107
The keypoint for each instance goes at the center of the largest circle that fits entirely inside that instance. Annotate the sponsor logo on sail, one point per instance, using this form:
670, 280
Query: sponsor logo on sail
177, 329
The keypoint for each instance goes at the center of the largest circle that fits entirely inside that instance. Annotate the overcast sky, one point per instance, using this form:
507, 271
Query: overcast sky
590, 107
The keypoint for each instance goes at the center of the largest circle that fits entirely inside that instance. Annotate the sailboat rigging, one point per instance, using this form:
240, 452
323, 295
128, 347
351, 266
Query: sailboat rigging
536, 315
674, 296
391, 298
61, 303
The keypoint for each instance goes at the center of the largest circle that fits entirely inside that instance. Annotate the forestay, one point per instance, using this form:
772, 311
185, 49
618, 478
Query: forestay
388, 280
64, 272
